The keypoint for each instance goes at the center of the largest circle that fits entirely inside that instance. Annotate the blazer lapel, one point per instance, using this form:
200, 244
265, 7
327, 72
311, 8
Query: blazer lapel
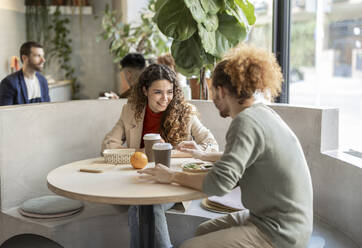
41, 85
136, 132
24, 90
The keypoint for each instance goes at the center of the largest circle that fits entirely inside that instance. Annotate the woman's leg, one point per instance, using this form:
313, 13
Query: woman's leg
133, 219
162, 237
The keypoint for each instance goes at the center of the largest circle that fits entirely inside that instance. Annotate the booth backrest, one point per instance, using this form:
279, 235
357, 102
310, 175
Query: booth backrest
34, 139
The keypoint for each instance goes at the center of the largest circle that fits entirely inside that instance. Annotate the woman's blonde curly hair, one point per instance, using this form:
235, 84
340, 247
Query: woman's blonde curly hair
174, 121
245, 70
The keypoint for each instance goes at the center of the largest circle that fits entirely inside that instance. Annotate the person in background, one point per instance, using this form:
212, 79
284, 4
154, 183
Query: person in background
262, 155
156, 105
132, 66
26, 85
167, 59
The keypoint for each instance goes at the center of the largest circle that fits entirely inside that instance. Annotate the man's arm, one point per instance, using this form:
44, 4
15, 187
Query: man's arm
163, 174
7, 93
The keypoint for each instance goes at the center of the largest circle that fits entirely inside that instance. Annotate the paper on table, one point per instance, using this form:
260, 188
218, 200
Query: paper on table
232, 199
178, 154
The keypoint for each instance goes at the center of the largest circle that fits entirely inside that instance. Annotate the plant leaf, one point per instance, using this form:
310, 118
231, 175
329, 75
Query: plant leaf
248, 10
211, 22
234, 10
207, 39
212, 6
187, 55
229, 33
159, 3
196, 10
174, 20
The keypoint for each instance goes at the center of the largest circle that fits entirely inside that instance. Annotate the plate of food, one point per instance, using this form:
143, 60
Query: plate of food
197, 167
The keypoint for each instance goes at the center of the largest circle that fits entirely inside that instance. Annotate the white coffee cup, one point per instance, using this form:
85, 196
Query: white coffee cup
149, 139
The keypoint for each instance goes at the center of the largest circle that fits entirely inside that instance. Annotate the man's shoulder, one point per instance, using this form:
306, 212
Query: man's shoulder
12, 78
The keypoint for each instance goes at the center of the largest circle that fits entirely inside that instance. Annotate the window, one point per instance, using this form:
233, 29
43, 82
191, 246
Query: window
261, 34
326, 62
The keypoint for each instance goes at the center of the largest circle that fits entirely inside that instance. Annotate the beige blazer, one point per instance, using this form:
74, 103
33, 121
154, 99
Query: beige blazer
128, 130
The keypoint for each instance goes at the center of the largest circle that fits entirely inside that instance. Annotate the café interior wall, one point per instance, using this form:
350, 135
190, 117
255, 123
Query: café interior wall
12, 35
93, 64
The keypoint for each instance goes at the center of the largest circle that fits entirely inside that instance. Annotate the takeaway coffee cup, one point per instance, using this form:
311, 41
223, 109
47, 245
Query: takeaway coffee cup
150, 139
162, 152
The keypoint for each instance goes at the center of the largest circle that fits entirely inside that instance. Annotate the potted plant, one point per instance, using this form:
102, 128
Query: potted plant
202, 31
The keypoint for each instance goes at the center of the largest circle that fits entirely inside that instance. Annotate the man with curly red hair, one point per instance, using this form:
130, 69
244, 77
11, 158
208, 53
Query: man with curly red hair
262, 155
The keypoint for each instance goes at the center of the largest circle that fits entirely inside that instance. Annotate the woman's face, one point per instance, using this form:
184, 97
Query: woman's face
159, 95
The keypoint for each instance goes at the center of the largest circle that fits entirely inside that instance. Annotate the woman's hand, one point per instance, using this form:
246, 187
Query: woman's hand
192, 148
159, 173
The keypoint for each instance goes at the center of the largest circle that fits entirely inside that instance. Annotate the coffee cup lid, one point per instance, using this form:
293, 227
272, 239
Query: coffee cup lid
162, 146
152, 136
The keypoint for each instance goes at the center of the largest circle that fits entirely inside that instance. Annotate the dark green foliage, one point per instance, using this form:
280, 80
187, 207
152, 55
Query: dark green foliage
203, 30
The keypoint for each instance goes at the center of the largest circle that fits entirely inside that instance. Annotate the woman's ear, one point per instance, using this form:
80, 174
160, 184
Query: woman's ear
144, 90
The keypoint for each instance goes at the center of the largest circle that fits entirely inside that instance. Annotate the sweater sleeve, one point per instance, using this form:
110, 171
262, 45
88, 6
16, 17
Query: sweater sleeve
202, 135
116, 137
245, 142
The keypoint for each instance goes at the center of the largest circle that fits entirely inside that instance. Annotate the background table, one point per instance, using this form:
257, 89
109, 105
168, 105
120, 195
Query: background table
119, 184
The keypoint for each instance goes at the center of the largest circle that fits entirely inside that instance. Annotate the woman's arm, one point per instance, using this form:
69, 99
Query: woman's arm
116, 137
196, 151
202, 136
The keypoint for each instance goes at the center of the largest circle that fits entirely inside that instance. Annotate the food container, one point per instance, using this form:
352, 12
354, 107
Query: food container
118, 156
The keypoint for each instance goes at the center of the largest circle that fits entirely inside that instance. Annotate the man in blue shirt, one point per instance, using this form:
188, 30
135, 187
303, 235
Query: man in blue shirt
26, 85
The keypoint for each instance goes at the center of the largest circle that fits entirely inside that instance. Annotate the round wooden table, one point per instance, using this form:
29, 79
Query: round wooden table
119, 184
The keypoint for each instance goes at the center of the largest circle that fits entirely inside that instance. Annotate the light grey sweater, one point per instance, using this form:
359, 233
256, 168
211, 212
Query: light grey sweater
265, 157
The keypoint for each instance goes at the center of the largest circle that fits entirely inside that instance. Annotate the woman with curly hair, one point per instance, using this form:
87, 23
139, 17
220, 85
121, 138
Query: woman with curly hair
262, 155
156, 105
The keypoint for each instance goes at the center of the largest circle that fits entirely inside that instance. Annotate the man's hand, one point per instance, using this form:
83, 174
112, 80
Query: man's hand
159, 173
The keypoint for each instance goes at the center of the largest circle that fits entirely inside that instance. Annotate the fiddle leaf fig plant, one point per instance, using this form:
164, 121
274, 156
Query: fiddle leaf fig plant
203, 30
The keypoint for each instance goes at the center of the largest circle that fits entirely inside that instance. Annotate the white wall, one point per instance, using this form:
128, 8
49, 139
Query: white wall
12, 32
133, 9
14, 5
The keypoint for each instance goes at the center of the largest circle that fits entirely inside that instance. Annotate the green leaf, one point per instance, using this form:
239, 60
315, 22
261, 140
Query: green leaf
174, 20
159, 4
211, 22
212, 6
207, 39
187, 55
248, 9
229, 33
196, 10
234, 10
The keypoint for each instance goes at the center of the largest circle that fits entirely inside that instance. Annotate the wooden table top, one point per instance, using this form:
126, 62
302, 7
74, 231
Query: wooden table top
116, 184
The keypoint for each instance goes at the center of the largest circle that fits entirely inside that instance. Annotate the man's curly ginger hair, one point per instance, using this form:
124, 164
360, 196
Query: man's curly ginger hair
245, 70
177, 115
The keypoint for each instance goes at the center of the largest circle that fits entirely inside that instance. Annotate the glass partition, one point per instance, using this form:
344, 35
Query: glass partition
326, 62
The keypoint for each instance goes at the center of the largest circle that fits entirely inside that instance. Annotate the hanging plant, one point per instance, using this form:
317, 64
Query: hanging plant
52, 31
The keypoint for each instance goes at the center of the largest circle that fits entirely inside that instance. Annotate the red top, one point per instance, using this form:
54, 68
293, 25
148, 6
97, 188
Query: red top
151, 123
